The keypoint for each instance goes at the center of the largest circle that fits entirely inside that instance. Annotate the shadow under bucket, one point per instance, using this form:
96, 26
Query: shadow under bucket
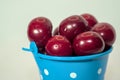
91, 67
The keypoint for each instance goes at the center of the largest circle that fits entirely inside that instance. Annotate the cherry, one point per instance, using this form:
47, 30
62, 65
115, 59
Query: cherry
72, 26
91, 20
88, 43
58, 46
107, 32
39, 30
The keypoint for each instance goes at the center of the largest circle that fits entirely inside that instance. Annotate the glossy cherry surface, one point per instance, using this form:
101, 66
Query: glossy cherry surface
58, 46
88, 43
91, 20
39, 30
107, 32
71, 26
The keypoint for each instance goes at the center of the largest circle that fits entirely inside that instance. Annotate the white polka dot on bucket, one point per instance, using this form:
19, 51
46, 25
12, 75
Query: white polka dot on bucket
73, 75
46, 72
99, 70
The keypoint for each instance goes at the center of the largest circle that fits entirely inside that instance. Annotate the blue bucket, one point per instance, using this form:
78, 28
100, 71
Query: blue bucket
91, 67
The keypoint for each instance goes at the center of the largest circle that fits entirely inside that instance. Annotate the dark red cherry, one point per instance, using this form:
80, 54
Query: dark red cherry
107, 32
58, 46
91, 20
88, 43
71, 26
39, 30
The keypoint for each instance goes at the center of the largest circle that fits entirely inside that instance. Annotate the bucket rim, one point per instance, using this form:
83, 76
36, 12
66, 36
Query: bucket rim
34, 50
74, 58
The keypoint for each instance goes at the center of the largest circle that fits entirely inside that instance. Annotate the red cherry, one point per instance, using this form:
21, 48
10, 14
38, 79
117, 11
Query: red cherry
58, 46
107, 32
72, 26
39, 30
88, 43
91, 20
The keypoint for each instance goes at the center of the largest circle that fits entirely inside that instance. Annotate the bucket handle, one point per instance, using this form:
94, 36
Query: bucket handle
32, 48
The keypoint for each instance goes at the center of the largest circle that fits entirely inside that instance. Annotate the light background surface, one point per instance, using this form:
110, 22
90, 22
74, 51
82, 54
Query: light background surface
15, 15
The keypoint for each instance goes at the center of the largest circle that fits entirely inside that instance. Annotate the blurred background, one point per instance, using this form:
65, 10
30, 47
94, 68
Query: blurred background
15, 15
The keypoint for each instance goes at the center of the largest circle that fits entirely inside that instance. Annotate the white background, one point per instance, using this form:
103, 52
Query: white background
15, 15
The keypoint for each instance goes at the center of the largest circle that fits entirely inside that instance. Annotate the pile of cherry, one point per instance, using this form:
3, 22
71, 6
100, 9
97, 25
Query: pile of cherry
76, 35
